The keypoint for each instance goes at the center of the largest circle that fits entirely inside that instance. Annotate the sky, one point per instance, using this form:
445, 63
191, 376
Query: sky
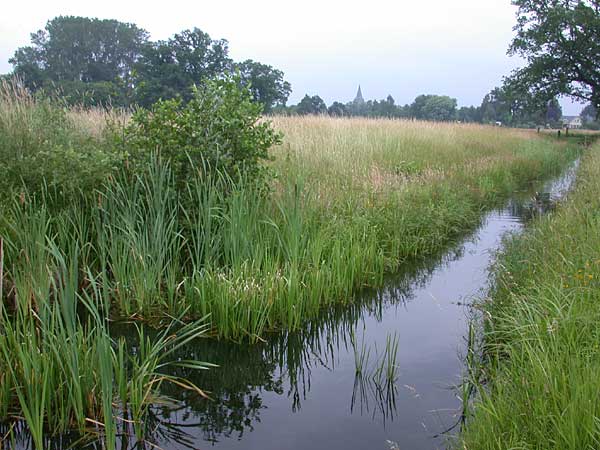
324, 47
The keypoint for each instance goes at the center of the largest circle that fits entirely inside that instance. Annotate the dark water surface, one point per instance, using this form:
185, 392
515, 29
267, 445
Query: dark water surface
300, 391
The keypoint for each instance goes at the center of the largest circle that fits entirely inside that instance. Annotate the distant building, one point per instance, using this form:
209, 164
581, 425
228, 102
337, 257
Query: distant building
359, 100
573, 122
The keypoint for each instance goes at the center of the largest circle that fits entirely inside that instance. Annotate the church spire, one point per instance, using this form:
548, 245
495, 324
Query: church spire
359, 97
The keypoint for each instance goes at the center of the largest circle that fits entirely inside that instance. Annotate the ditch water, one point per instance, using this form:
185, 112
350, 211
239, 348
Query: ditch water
301, 390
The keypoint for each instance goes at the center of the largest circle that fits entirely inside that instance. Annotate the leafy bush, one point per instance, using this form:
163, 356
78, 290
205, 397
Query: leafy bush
219, 128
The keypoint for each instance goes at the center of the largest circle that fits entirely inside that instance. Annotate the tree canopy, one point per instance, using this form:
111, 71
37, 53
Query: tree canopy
266, 83
169, 69
311, 105
99, 62
434, 107
560, 40
509, 107
76, 54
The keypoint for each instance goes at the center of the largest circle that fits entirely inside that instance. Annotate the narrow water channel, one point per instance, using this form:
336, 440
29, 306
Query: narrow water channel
301, 390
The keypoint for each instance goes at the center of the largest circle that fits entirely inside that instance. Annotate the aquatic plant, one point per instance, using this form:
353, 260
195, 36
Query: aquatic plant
350, 201
375, 380
540, 336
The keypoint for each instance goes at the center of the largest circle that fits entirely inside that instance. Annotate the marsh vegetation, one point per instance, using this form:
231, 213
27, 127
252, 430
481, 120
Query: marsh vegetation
109, 217
538, 374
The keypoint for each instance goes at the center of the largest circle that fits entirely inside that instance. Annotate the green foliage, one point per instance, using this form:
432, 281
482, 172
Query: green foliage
560, 43
508, 105
219, 128
496, 107
589, 113
88, 94
337, 109
434, 107
72, 51
95, 62
60, 367
589, 116
169, 69
265, 83
469, 114
553, 112
311, 105
384, 108
541, 332
42, 148
511, 106
356, 108
353, 200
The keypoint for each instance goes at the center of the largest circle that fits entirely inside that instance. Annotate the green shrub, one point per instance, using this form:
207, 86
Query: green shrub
219, 128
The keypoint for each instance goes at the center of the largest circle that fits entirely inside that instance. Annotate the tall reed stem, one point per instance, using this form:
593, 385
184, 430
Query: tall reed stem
1, 272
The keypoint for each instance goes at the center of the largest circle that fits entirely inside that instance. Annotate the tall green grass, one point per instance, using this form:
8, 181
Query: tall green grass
87, 241
42, 144
350, 201
62, 371
541, 336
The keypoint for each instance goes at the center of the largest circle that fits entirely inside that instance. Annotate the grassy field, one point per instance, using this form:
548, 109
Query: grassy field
351, 200
542, 338
87, 240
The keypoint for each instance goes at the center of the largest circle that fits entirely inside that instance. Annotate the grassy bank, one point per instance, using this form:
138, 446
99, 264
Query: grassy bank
351, 200
88, 238
542, 332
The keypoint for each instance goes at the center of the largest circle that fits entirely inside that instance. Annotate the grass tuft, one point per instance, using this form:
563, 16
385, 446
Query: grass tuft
541, 337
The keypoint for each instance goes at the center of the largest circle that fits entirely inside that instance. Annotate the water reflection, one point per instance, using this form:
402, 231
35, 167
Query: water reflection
303, 389
283, 364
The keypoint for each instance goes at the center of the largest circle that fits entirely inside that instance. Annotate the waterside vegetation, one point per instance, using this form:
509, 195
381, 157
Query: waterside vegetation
538, 377
350, 200
217, 234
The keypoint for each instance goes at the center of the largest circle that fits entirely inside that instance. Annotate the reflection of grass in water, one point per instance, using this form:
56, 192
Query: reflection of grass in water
61, 369
375, 379
384, 367
247, 372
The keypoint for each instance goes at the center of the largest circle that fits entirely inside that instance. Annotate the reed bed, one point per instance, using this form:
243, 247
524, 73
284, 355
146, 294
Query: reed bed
88, 240
60, 368
351, 199
541, 347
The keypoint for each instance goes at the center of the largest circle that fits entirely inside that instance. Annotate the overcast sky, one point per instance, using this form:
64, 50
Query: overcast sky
325, 47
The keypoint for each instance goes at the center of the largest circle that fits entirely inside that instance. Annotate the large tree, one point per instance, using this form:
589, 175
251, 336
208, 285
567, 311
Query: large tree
469, 114
266, 83
311, 105
560, 39
433, 107
589, 113
93, 61
384, 108
513, 107
497, 106
553, 112
337, 109
79, 53
169, 69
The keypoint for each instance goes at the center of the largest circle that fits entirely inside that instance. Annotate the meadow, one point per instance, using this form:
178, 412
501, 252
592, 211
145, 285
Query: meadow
539, 375
88, 239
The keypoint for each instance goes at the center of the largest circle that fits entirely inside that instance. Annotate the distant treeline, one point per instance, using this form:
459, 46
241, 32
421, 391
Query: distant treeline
94, 62
497, 106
